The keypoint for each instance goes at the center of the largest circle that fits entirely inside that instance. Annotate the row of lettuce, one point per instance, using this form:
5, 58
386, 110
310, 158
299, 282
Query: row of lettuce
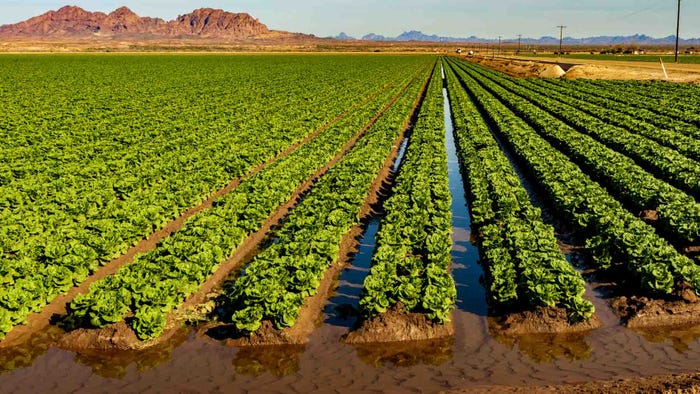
666, 163
678, 211
276, 282
157, 282
525, 268
664, 130
573, 152
616, 236
673, 103
57, 227
410, 267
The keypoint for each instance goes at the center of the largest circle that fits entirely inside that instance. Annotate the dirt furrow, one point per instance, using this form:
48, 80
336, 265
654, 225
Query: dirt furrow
37, 321
311, 312
120, 336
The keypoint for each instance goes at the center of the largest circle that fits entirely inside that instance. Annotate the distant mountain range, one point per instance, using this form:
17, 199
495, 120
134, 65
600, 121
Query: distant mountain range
639, 39
75, 22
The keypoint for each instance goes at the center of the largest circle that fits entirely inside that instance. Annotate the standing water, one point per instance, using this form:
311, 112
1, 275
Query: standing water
341, 309
471, 296
478, 357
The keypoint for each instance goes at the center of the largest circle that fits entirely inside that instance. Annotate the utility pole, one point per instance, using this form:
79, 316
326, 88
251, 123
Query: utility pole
678, 28
561, 35
499, 45
519, 37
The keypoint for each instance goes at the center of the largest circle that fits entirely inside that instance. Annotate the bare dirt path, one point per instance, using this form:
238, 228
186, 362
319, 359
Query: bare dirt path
523, 66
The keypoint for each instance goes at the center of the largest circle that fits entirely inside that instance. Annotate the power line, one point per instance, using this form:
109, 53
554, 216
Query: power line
678, 27
642, 11
561, 35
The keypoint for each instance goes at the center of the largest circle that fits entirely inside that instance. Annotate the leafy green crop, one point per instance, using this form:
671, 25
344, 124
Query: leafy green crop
411, 263
677, 102
665, 130
616, 235
161, 279
279, 279
100, 152
662, 161
525, 266
679, 213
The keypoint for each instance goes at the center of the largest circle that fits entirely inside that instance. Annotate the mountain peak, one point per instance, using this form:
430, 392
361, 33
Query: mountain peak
343, 36
123, 11
73, 21
210, 22
69, 9
639, 39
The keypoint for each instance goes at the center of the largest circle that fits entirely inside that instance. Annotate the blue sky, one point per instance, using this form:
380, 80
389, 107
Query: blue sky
459, 18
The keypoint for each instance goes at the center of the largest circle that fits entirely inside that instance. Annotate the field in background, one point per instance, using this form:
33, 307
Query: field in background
684, 59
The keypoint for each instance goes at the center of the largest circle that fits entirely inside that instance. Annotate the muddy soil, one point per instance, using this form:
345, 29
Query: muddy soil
667, 384
643, 312
541, 321
395, 325
310, 315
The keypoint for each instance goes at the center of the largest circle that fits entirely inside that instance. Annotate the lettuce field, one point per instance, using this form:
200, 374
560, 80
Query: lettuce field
352, 217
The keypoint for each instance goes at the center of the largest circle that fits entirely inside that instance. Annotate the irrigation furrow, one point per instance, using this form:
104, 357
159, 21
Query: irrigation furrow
678, 213
41, 319
525, 266
249, 217
665, 163
653, 265
409, 282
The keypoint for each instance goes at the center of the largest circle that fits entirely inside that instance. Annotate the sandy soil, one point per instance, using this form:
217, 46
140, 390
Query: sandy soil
209, 46
592, 69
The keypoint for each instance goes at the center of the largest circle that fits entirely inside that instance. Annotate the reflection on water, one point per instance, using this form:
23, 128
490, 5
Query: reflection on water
341, 309
406, 354
466, 270
115, 364
24, 354
681, 337
277, 360
545, 348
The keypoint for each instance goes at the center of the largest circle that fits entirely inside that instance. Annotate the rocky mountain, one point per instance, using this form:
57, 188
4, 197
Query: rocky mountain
75, 22
639, 39
207, 22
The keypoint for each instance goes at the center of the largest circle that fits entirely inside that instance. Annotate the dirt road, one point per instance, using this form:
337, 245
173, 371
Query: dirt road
594, 69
